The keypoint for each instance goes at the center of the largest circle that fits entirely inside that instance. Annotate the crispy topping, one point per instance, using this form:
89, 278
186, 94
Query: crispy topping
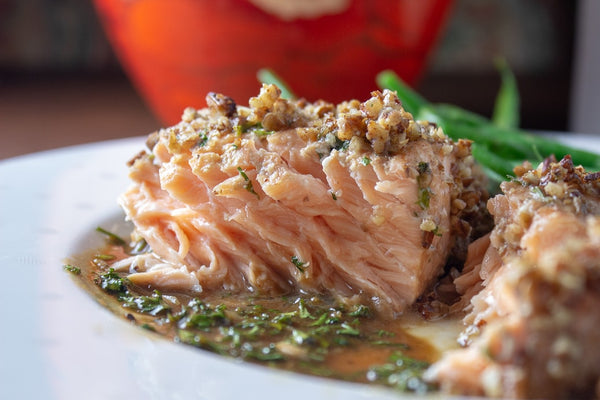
377, 127
559, 184
222, 104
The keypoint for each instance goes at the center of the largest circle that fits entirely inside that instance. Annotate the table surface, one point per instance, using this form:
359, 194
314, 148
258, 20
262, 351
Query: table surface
54, 113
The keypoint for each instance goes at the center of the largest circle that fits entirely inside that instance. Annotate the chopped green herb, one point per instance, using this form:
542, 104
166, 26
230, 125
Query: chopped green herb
304, 312
72, 269
148, 327
299, 337
112, 282
202, 138
115, 239
202, 341
140, 247
243, 174
423, 180
248, 185
333, 195
424, 198
152, 305
360, 310
540, 195
423, 168
322, 320
207, 317
326, 321
365, 161
255, 128
267, 353
301, 331
402, 372
382, 333
285, 317
299, 264
341, 145
239, 130
261, 132
346, 329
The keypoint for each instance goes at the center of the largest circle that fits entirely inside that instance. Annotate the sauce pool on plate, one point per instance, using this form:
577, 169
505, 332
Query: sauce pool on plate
305, 333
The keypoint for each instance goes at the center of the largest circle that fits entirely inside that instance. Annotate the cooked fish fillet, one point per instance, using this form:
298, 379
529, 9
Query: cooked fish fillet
531, 292
354, 200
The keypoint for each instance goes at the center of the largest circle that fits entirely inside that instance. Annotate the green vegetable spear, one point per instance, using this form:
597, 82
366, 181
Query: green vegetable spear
499, 145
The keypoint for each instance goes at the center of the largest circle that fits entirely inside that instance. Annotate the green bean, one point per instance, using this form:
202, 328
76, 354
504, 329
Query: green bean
500, 165
504, 143
517, 144
547, 147
506, 108
457, 114
498, 143
494, 166
429, 113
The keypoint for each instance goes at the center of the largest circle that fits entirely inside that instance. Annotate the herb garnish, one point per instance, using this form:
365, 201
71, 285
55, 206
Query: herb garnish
202, 138
423, 180
140, 247
347, 329
423, 168
538, 194
113, 283
72, 269
152, 305
300, 332
401, 372
424, 198
114, 238
248, 185
299, 264
360, 310
341, 145
255, 128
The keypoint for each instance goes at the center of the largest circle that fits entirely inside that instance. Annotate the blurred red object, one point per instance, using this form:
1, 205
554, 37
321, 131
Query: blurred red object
175, 51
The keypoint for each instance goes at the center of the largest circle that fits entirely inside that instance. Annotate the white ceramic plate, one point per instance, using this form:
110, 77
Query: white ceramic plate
56, 342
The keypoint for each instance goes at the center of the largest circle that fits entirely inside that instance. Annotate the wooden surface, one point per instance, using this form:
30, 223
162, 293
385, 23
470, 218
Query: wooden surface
59, 112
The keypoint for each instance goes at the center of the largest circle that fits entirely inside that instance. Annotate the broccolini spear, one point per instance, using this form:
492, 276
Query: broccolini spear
498, 143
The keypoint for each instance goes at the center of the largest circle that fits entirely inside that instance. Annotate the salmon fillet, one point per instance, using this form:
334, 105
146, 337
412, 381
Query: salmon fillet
358, 200
530, 291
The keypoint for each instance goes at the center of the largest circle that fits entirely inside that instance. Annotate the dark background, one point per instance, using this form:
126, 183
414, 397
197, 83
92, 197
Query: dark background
61, 84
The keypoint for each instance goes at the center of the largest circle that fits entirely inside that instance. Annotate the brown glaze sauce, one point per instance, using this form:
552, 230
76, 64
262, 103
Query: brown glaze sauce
297, 332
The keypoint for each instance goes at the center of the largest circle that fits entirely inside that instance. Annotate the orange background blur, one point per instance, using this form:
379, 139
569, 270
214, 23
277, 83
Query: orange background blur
60, 83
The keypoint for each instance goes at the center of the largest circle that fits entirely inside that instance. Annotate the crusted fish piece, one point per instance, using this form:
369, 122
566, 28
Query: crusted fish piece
356, 199
530, 291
